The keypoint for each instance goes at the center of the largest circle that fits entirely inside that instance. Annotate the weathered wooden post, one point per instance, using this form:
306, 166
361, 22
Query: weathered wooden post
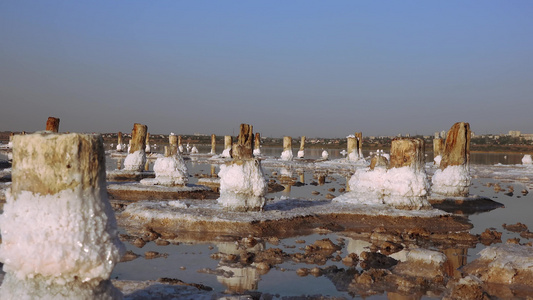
213, 144
287, 148
351, 147
453, 178
407, 152
257, 144
301, 152
173, 144
136, 157
147, 148
52, 124
120, 142
359, 138
228, 143
180, 146
59, 233
438, 150
242, 184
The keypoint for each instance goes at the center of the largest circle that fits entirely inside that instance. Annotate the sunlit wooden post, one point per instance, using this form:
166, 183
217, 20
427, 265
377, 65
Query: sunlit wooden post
213, 144
52, 124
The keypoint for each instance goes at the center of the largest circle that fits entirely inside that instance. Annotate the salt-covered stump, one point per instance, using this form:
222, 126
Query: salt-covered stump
59, 233
170, 182
242, 183
453, 179
135, 161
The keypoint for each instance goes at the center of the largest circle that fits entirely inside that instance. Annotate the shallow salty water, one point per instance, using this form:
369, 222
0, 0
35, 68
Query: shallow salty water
195, 262
191, 261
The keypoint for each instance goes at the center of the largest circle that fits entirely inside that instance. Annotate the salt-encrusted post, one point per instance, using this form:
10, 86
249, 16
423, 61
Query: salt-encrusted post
287, 148
257, 144
173, 141
171, 169
351, 146
59, 233
180, 146
52, 124
213, 144
453, 178
359, 138
119, 143
136, 157
301, 152
228, 142
242, 184
438, 149
147, 148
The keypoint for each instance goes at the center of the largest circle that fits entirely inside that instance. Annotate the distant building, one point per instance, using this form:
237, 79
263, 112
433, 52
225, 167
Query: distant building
515, 133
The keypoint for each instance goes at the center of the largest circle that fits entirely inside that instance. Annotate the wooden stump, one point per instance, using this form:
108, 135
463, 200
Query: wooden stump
120, 142
257, 141
243, 148
173, 145
213, 143
228, 143
407, 152
351, 146
302, 143
457, 146
138, 137
287, 143
438, 147
52, 124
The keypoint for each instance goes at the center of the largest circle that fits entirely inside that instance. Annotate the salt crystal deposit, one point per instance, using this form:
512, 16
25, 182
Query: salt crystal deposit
404, 185
136, 158
135, 161
526, 160
325, 154
227, 146
59, 234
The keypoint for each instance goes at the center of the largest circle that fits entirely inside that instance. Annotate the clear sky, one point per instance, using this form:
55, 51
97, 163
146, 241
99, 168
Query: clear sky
314, 68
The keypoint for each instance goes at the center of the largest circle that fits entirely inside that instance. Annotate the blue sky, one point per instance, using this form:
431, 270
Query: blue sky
314, 68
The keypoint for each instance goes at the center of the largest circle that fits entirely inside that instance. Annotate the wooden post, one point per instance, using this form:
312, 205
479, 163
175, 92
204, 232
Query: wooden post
138, 137
351, 146
66, 214
213, 144
287, 143
173, 142
457, 146
52, 124
228, 144
257, 142
359, 147
407, 152
147, 143
302, 143
119, 143
438, 147
243, 148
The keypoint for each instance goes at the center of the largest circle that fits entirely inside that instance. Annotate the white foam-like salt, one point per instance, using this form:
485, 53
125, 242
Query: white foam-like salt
453, 180
242, 185
135, 161
286, 155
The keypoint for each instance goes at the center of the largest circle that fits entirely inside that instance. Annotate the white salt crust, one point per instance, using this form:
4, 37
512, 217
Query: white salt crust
226, 153
325, 154
426, 256
509, 257
452, 181
353, 156
526, 160
286, 155
169, 171
437, 160
135, 161
402, 187
66, 237
301, 153
242, 186
257, 152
